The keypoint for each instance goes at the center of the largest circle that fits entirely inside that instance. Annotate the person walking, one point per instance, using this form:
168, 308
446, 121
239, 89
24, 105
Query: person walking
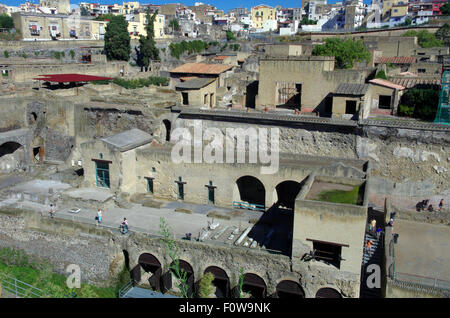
99, 216
52, 211
441, 205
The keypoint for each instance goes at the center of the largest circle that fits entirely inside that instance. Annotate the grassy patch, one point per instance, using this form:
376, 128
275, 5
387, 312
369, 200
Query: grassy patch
340, 196
136, 83
40, 274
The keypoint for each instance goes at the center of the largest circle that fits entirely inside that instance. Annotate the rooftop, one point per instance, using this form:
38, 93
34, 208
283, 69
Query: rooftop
396, 59
129, 139
195, 83
201, 68
385, 83
64, 78
352, 89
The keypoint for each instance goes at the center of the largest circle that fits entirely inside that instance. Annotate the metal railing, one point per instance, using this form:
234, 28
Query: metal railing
125, 289
249, 206
19, 288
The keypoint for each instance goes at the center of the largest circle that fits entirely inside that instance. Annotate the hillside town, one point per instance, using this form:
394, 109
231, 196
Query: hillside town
173, 151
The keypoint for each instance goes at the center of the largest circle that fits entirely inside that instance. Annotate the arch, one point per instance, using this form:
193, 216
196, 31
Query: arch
251, 190
190, 275
126, 258
221, 281
289, 289
254, 285
328, 292
168, 126
287, 192
9, 147
150, 264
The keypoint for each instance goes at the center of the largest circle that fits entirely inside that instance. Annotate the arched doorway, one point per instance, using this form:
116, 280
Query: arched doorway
328, 293
221, 281
151, 265
168, 127
289, 289
287, 191
254, 285
187, 268
9, 147
252, 191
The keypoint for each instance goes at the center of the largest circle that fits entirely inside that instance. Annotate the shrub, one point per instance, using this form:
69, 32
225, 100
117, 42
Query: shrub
381, 74
6, 54
420, 103
405, 110
57, 55
72, 54
206, 286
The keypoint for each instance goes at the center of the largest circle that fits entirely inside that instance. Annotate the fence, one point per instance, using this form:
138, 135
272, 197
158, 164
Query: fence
19, 288
250, 206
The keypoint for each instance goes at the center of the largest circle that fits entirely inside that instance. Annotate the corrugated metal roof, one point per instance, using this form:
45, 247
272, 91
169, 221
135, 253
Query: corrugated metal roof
396, 59
129, 139
195, 83
201, 68
352, 89
410, 82
385, 83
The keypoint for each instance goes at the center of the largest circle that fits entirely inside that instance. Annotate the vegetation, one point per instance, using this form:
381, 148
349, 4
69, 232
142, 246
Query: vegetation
419, 103
172, 251
381, 74
58, 55
424, 38
174, 25
340, 196
72, 54
206, 286
104, 17
147, 46
230, 36
306, 21
445, 9
6, 22
235, 47
443, 34
117, 39
38, 273
6, 54
24, 55
345, 51
178, 49
136, 83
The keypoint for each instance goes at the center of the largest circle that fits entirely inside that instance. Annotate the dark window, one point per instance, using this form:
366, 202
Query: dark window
421, 70
185, 98
385, 102
149, 185
211, 193
180, 189
329, 253
350, 107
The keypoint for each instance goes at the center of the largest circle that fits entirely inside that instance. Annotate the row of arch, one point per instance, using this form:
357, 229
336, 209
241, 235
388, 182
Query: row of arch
253, 285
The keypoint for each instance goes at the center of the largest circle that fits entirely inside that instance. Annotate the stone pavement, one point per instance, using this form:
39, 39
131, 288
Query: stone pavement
422, 249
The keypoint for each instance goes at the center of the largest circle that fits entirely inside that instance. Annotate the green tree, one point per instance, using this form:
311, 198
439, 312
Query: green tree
419, 103
443, 34
104, 17
6, 54
6, 22
117, 39
84, 11
174, 25
424, 38
172, 251
230, 36
445, 9
206, 286
147, 46
381, 74
306, 21
72, 54
345, 51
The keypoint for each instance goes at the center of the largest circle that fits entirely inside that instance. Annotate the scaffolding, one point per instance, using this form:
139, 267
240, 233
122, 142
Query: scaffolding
443, 113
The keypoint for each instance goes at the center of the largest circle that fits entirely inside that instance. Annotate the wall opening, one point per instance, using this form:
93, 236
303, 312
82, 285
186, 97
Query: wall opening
221, 281
287, 192
126, 257
289, 289
384, 102
9, 147
168, 127
251, 190
350, 107
187, 268
185, 97
254, 286
152, 267
328, 293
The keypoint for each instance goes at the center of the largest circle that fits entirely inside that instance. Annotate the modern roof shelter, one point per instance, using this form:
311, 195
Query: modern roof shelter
352, 89
70, 78
129, 139
201, 68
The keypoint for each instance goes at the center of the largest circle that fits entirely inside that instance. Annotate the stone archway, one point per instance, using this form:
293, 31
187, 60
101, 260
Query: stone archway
12, 156
221, 281
183, 266
252, 191
287, 192
168, 129
153, 270
328, 292
254, 286
289, 289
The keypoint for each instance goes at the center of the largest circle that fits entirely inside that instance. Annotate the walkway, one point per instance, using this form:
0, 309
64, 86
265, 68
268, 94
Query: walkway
137, 292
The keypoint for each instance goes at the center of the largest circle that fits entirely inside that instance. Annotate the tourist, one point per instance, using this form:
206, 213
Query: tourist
441, 205
379, 230
52, 211
99, 216
124, 226
369, 246
430, 208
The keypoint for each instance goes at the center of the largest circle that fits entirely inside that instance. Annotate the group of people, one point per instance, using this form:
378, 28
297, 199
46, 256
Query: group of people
425, 205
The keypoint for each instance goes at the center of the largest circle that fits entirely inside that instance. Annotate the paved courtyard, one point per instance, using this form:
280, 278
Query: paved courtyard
423, 250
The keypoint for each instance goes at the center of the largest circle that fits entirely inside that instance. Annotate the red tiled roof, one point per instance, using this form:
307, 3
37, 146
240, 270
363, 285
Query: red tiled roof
222, 57
396, 60
385, 83
63, 78
201, 68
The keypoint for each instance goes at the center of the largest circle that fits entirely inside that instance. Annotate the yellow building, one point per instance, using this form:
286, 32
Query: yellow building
388, 9
399, 10
136, 26
116, 9
129, 7
261, 14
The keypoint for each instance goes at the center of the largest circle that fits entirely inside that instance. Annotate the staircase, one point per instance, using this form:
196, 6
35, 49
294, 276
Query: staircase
374, 256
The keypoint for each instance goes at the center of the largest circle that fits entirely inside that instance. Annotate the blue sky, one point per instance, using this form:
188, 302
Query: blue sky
221, 4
